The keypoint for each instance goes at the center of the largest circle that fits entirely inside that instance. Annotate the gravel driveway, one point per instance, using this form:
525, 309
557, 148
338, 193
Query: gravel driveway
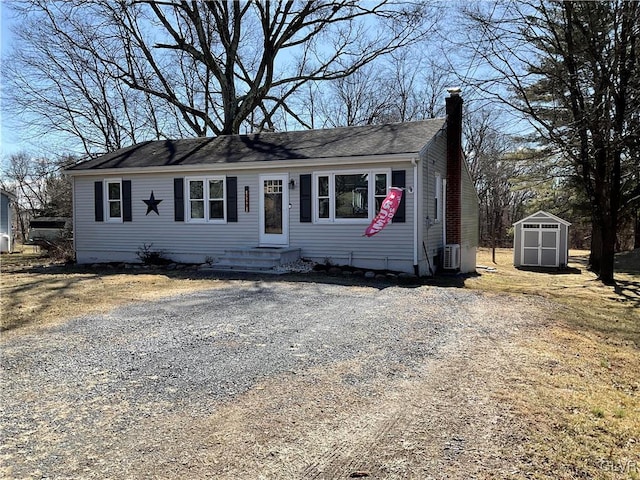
268, 380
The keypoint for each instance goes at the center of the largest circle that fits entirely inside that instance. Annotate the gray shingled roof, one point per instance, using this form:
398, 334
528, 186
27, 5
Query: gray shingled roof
366, 140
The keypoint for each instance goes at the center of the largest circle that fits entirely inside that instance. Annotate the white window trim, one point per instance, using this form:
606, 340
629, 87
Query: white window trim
206, 199
332, 195
106, 202
316, 199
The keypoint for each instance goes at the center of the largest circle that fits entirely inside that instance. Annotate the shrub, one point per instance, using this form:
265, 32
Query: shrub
61, 250
148, 256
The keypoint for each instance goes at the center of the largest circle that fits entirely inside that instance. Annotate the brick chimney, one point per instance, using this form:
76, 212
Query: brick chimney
454, 166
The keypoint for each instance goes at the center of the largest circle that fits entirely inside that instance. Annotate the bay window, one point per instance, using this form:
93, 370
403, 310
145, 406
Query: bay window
349, 197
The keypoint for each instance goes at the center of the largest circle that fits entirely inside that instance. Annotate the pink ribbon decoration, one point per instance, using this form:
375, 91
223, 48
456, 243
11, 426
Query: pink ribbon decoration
386, 213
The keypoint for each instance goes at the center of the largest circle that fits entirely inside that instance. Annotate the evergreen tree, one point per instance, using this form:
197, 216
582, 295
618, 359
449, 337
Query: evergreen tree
572, 69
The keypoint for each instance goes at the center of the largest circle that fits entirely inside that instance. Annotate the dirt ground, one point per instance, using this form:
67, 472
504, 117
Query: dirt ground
445, 423
538, 393
415, 396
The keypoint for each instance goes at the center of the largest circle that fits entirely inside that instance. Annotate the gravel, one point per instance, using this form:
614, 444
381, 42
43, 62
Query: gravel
87, 380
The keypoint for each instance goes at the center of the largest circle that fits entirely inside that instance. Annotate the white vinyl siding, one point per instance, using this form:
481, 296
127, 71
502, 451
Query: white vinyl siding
434, 162
180, 241
339, 242
470, 211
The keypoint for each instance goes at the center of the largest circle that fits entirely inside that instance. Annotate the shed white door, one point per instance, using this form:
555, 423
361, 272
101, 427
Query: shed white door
274, 210
540, 244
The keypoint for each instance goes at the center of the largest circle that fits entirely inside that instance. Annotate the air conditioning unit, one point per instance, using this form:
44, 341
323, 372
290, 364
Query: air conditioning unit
452, 256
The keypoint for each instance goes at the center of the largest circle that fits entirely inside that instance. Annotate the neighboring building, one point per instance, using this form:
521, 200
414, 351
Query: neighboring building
6, 219
312, 192
541, 240
45, 231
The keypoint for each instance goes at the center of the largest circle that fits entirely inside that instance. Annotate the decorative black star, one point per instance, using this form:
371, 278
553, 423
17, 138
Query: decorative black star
152, 204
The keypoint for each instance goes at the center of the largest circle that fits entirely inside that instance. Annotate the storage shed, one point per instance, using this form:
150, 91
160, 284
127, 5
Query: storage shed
541, 240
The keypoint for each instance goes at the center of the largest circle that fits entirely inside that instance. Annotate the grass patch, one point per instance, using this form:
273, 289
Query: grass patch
34, 291
580, 392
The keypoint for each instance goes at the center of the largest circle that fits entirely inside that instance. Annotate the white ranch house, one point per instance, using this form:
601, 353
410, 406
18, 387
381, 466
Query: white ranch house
305, 193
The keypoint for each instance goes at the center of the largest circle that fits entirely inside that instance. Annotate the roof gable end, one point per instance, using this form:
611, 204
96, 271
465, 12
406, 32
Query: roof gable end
540, 216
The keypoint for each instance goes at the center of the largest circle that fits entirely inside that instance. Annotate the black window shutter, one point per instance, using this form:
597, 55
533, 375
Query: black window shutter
305, 198
98, 201
232, 199
178, 199
399, 179
126, 201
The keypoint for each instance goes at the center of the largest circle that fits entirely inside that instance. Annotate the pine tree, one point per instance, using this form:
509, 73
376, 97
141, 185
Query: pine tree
572, 69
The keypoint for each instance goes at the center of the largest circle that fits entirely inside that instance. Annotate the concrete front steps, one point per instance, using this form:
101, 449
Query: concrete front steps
256, 259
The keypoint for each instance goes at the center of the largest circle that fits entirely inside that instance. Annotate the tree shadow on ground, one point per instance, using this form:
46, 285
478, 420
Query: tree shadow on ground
629, 290
53, 281
582, 260
55, 286
553, 271
189, 272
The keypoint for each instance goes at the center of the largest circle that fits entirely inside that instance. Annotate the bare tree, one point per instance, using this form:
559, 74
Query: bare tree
39, 186
67, 91
120, 71
571, 68
494, 166
403, 87
416, 84
360, 99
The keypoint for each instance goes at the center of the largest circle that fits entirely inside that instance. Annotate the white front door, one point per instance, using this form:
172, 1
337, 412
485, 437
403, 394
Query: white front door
274, 210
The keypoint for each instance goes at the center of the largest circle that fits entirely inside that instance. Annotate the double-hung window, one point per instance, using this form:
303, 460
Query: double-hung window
323, 197
206, 199
113, 204
349, 197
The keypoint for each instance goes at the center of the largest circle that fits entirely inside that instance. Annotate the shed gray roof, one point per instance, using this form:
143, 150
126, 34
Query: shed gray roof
541, 215
393, 138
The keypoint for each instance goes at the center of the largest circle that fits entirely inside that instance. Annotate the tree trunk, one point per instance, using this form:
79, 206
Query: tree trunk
596, 245
603, 246
608, 251
21, 225
636, 238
